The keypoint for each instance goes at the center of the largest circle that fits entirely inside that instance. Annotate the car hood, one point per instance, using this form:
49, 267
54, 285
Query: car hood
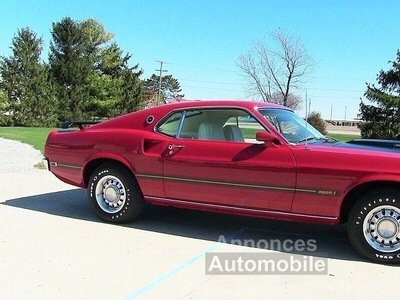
392, 146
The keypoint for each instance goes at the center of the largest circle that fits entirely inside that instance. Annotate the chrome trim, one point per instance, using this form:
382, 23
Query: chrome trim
381, 228
183, 116
56, 164
150, 119
111, 194
242, 185
223, 183
241, 209
184, 109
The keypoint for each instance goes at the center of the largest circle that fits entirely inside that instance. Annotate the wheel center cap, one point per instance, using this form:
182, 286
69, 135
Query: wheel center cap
387, 228
111, 194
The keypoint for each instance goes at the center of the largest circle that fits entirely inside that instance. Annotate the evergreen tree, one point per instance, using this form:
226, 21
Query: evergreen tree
170, 88
120, 90
93, 77
5, 119
26, 82
132, 97
71, 66
381, 119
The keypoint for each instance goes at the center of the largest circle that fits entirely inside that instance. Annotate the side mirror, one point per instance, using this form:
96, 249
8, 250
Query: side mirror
268, 139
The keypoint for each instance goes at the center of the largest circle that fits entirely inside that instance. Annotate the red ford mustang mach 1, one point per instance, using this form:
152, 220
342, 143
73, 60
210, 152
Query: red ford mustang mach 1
239, 157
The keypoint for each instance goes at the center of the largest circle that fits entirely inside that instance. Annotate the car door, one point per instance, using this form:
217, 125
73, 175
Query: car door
214, 170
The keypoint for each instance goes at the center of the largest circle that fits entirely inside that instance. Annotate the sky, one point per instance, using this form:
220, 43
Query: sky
200, 41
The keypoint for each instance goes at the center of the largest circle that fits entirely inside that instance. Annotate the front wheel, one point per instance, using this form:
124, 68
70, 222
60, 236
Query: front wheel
374, 226
114, 194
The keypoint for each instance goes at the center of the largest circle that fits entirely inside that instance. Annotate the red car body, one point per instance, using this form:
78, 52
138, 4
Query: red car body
314, 180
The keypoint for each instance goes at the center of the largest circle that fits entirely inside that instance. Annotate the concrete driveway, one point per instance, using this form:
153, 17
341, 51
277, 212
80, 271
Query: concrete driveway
53, 247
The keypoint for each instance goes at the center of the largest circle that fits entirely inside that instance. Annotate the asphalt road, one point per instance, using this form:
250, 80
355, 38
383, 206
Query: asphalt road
53, 247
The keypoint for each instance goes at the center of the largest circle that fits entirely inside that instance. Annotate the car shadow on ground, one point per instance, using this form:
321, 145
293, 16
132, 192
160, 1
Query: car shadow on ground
318, 240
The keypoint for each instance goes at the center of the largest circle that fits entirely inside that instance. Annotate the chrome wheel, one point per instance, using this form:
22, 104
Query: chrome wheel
381, 228
110, 194
114, 193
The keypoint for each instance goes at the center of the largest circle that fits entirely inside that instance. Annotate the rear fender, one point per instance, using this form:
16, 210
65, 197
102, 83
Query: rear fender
102, 157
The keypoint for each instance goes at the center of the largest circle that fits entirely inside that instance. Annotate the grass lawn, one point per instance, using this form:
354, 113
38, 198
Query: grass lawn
250, 132
344, 137
35, 136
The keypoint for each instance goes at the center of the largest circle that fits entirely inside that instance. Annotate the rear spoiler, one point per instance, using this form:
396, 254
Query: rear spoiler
80, 124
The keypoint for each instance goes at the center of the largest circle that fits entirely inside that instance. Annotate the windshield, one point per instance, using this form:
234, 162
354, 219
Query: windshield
293, 128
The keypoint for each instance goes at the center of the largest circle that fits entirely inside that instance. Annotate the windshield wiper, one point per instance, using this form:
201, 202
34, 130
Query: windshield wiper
327, 139
310, 137
324, 139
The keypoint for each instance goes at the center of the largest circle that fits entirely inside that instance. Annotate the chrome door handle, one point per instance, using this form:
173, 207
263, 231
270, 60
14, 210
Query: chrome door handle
171, 148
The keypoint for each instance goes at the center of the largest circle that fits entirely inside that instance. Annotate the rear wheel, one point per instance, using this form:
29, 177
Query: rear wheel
374, 226
114, 194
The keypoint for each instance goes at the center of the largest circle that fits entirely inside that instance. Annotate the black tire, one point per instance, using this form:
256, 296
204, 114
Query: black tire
114, 194
374, 226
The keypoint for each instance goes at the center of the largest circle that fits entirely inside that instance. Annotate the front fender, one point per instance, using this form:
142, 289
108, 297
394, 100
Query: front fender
373, 178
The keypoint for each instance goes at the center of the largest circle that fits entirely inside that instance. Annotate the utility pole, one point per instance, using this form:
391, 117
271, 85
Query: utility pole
159, 84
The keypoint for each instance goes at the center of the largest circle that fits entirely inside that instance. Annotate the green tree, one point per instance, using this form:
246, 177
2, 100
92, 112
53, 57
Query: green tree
121, 90
132, 97
71, 64
104, 80
25, 80
92, 74
316, 121
170, 88
381, 118
5, 119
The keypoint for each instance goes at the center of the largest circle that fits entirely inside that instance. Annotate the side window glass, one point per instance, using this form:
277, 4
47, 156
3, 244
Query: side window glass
191, 123
248, 127
230, 124
171, 125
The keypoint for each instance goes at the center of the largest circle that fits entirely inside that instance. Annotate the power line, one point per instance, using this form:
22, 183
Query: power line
212, 88
202, 67
236, 84
208, 82
236, 70
213, 82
